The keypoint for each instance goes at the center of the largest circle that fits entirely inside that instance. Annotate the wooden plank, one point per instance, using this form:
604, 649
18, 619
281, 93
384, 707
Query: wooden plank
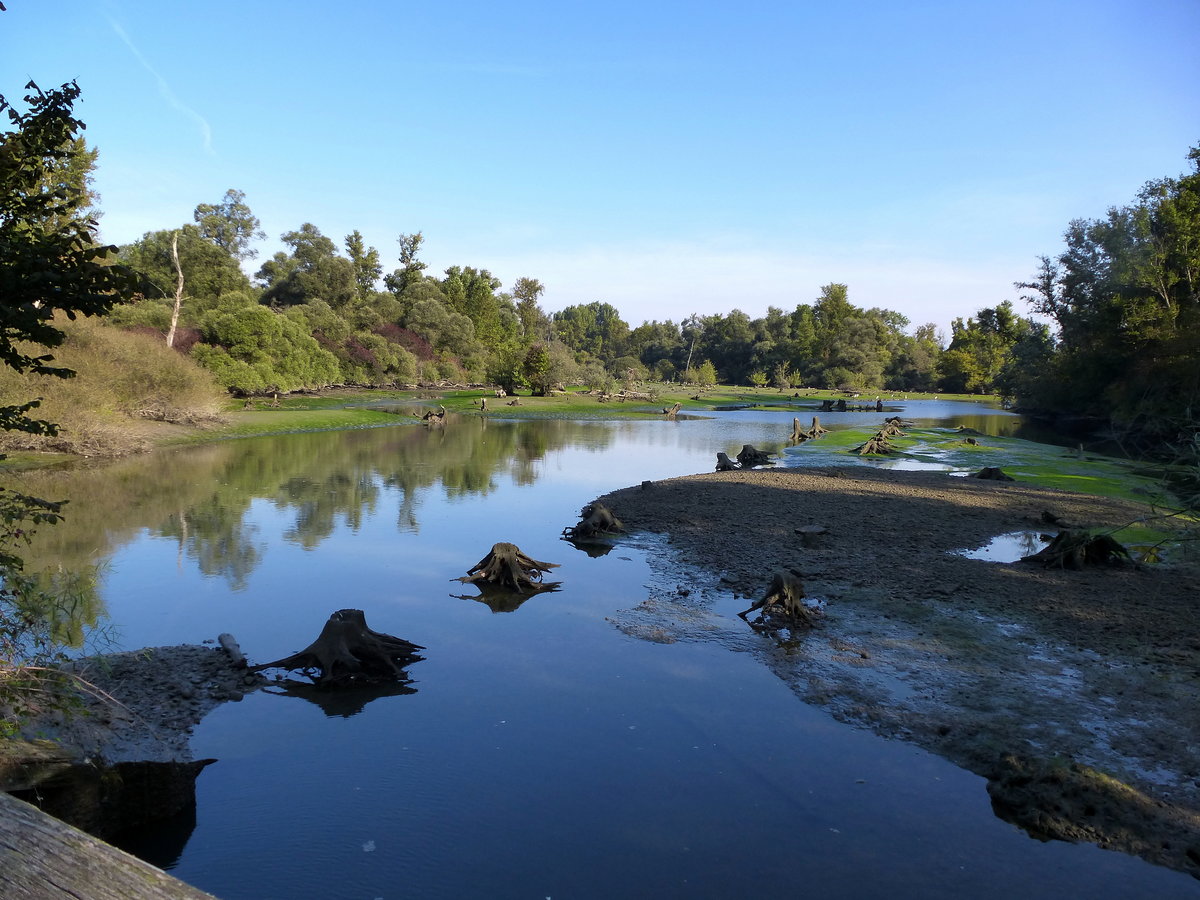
42, 858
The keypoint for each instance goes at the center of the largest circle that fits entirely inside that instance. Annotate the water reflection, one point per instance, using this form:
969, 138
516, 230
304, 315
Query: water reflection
1007, 548
202, 498
342, 702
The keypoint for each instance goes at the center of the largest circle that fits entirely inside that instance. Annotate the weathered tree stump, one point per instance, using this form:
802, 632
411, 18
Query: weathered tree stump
507, 567
876, 446
816, 430
435, 416
785, 596
749, 457
725, 464
347, 652
798, 435
515, 401
1076, 549
595, 519
673, 411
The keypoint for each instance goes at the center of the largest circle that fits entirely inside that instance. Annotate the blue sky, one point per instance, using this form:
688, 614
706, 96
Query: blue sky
667, 158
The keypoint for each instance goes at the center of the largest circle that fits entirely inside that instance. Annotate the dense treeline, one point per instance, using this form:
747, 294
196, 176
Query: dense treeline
318, 314
1125, 294
1119, 340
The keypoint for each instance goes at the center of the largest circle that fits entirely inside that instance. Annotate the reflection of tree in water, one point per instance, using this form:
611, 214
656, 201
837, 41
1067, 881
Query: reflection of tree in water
218, 538
200, 496
342, 702
500, 600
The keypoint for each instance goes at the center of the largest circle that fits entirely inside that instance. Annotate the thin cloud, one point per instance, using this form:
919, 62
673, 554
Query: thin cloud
165, 89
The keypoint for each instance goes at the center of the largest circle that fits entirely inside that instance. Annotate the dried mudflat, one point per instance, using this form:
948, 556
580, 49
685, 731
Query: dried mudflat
1075, 692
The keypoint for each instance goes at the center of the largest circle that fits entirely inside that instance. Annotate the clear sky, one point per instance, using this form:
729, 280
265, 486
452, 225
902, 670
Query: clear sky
668, 158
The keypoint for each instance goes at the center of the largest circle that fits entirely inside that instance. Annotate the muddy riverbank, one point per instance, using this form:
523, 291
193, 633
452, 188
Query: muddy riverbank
1075, 692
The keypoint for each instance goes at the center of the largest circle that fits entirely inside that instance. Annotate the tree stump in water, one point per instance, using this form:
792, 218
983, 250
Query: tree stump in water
750, 457
785, 596
507, 567
877, 445
725, 464
595, 519
347, 652
435, 416
673, 411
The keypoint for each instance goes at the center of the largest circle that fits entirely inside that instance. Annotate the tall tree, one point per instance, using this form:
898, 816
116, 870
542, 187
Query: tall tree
411, 268
50, 261
367, 267
313, 271
230, 225
1125, 294
534, 322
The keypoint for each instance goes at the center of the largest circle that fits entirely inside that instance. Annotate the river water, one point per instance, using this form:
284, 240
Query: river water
538, 752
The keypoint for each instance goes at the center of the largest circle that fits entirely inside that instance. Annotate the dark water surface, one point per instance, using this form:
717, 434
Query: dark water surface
542, 752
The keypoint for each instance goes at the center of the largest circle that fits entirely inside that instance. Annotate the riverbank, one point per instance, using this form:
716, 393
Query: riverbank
1013, 671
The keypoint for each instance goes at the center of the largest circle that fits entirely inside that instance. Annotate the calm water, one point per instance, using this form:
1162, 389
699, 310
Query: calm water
542, 752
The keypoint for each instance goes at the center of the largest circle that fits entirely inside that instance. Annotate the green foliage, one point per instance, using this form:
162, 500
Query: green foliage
313, 271
229, 225
1125, 295
367, 267
595, 329
251, 350
50, 262
209, 271
50, 267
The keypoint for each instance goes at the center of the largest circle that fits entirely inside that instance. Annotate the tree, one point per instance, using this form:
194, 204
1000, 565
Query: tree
1125, 295
313, 271
50, 262
401, 280
252, 349
367, 267
534, 322
230, 225
50, 265
209, 271
595, 329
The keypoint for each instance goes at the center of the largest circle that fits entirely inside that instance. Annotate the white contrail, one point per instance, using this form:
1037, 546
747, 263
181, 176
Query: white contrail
165, 89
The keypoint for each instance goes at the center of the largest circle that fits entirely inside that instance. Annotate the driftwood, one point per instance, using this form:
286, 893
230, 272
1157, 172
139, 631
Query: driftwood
785, 596
673, 411
435, 416
725, 464
595, 519
1076, 549
749, 457
507, 567
347, 652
